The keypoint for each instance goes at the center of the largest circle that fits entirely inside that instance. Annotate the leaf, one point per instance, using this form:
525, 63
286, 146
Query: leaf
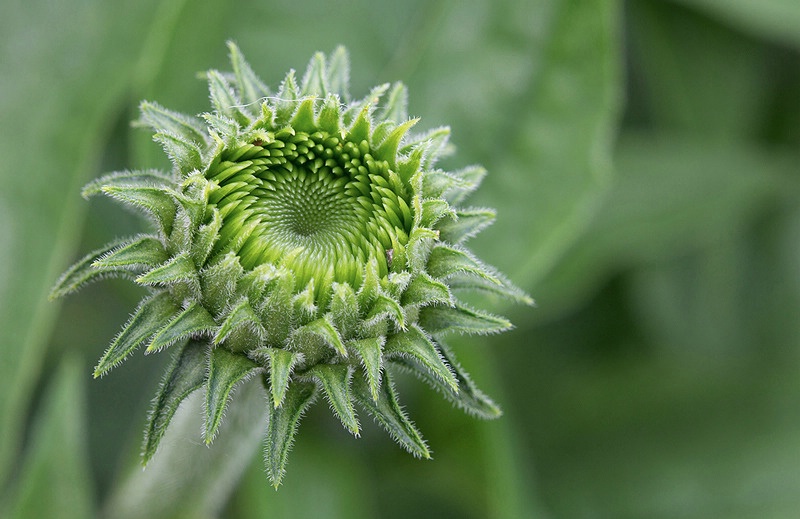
152, 314
186, 373
715, 189
684, 83
192, 321
552, 172
225, 371
444, 319
42, 213
416, 345
57, 461
388, 412
282, 426
770, 19
335, 380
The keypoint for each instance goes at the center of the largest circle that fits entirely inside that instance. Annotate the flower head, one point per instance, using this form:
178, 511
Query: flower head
303, 237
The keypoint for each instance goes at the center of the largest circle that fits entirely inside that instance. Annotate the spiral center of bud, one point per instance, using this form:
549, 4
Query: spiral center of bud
326, 204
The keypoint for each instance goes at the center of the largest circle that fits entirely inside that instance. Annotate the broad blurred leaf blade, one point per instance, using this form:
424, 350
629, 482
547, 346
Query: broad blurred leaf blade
672, 195
56, 58
777, 20
552, 157
55, 479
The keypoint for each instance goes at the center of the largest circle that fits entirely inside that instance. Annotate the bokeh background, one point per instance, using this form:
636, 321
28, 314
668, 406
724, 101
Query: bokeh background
644, 159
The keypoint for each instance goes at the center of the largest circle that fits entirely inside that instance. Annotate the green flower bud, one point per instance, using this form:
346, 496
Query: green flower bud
305, 238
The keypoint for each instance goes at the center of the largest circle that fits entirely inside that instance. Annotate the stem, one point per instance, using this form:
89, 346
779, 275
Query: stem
186, 478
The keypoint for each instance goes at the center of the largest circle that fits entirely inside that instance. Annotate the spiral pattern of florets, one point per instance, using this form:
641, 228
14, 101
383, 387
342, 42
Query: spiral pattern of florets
306, 238
327, 203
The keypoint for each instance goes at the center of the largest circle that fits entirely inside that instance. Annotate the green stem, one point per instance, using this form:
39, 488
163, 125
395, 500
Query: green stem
187, 479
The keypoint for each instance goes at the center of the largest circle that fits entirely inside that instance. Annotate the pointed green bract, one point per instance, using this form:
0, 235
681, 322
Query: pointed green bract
194, 320
155, 201
179, 268
160, 119
396, 107
465, 225
501, 287
462, 319
282, 427
205, 238
468, 397
446, 260
150, 317
387, 411
385, 306
122, 179
314, 81
242, 316
251, 89
371, 355
185, 154
281, 364
335, 380
323, 329
84, 271
424, 290
142, 251
186, 373
224, 98
225, 371
304, 236
415, 344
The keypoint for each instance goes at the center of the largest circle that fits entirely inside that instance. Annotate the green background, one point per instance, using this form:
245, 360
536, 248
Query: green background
643, 158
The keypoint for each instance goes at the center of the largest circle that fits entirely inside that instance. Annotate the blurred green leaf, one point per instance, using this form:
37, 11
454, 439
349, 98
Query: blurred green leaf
682, 64
553, 158
672, 195
777, 20
59, 81
55, 479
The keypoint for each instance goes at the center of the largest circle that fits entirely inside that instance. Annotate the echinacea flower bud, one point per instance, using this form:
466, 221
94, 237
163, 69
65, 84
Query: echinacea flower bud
305, 238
